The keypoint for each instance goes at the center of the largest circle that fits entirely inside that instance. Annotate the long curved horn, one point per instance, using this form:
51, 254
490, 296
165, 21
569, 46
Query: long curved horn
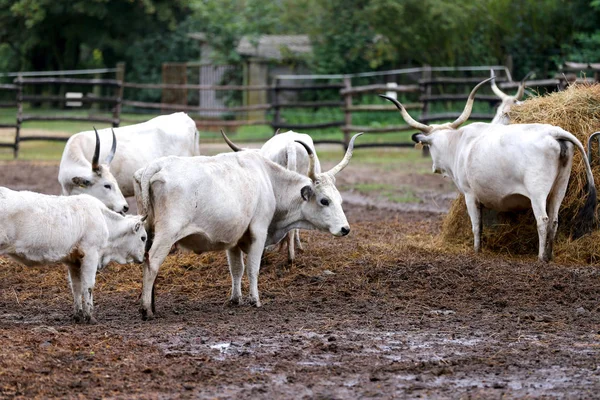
96, 157
521, 90
111, 155
407, 118
230, 143
469, 106
333, 171
495, 87
276, 132
311, 160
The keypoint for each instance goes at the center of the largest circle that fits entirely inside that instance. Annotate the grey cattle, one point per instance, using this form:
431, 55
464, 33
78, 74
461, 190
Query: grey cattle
78, 231
238, 202
507, 167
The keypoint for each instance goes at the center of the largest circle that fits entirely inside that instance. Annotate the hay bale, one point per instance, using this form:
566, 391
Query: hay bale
576, 110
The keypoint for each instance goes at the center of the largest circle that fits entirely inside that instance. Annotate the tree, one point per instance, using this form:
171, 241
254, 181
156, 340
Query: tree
51, 34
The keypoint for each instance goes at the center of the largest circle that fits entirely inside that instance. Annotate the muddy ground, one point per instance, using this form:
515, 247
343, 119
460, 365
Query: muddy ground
381, 313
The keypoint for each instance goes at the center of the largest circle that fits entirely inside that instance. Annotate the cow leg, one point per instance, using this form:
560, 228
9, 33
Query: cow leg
539, 211
157, 254
75, 283
253, 267
89, 266
297, 240
554, 201
236, 269
290, 246
474, 210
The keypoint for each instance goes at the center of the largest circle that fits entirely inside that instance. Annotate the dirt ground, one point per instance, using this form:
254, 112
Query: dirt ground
381, 313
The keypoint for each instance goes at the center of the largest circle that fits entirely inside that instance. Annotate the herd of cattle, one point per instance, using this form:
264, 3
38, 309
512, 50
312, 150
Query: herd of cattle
244, 201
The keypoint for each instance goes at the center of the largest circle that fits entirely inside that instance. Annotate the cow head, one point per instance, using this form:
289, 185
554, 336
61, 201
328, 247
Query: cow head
128, 242
322, 202
507, 101
100, 183
440, 137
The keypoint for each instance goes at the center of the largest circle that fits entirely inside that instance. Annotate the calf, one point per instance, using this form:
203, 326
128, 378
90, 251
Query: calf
78, 231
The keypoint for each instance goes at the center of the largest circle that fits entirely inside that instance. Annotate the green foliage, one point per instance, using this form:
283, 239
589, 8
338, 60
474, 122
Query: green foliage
145, 57
51, 34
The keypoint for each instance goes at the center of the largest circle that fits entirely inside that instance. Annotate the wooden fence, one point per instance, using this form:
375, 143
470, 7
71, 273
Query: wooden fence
343, 96
20, 87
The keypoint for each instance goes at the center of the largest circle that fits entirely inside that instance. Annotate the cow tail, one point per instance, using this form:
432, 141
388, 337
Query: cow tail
586, 218
145, 182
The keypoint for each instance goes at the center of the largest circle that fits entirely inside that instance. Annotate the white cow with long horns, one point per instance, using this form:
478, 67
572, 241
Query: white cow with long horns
112, 180
507, 167
239, 202
508, 101
285, 149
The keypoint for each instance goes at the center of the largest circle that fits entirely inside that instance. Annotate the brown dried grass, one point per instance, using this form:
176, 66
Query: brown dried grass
576, 110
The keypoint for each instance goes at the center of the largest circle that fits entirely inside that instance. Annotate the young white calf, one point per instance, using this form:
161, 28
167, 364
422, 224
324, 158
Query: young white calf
78, 231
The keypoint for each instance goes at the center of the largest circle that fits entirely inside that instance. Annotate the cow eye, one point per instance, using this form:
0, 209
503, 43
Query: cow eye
143, 238
107, 187
325, 202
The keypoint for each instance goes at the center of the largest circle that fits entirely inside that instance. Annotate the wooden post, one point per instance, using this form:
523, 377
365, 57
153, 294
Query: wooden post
347, 112
120, 76
19, 115
275, 104
426, 90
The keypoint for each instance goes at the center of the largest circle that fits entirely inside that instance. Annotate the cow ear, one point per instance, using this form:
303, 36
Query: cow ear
137, 226
421, 138
307, 192
81, 182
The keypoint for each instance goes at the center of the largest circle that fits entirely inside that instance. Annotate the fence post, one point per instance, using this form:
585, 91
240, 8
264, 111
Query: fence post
275, 104
120, 76
347, 111
19, 115
426, 91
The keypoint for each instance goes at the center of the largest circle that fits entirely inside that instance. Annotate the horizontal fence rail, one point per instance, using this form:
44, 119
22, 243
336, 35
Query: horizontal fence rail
21, 84
336, 99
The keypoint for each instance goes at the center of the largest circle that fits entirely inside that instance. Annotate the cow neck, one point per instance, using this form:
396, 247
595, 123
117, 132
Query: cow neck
501, 117
448, 149
287, 186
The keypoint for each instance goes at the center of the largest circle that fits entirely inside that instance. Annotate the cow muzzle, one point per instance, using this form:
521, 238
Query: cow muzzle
343, 231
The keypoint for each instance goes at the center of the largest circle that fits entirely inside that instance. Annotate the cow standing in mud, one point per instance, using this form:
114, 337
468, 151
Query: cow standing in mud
111, 181
239, 202
78, 231
506, 168
285, 149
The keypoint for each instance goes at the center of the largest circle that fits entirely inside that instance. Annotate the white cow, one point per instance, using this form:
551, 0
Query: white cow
81, 172
239, 202
78, 231
284, 149
507, 167
501, 116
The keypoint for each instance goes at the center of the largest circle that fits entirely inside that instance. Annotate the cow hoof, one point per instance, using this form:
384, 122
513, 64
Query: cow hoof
78, 317
146, 315
255, 302
89, 319
235, 301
